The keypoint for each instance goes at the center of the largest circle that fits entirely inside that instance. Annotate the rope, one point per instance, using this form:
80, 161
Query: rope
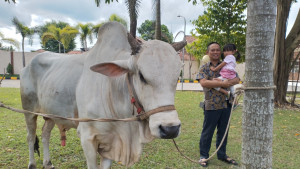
65, 118
238, 93
139, 117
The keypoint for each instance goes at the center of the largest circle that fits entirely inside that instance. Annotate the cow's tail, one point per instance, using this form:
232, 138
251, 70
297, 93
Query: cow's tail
36, 146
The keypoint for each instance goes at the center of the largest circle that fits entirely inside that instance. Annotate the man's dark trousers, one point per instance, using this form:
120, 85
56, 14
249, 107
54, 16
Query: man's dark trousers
212, 119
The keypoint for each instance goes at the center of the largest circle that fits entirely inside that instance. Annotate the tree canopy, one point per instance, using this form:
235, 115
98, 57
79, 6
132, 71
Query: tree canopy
223, 21
147, 31
62, 36
85, 31
10, 41
53, 45
25, 32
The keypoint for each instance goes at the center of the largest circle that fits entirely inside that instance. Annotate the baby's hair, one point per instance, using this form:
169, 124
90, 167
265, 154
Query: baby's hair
232, 47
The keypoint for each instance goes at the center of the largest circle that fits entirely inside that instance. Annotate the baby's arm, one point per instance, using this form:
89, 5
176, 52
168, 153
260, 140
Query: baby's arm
218, 67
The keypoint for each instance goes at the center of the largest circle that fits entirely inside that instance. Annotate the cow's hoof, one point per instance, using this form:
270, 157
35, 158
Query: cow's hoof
49, 166
31, 166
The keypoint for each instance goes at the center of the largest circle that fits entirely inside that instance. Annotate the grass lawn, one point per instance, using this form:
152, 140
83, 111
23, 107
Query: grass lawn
157, 154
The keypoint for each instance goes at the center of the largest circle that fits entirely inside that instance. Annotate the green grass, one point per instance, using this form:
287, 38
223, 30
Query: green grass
157, 154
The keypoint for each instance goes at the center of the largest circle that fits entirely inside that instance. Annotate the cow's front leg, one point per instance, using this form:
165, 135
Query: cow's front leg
31, 138
105, 163
46, 133
89, 145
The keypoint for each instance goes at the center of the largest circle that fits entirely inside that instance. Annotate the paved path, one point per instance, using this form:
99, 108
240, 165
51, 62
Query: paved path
180, 86
10, 83
186, 86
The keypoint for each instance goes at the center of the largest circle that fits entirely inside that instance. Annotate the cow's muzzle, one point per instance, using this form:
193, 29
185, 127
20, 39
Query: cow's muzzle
169, 132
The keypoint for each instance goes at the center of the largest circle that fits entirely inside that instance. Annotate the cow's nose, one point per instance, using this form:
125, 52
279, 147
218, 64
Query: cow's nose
168, 132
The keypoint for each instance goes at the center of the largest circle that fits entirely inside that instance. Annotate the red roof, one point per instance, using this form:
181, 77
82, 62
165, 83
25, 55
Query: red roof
189, 39
74, 52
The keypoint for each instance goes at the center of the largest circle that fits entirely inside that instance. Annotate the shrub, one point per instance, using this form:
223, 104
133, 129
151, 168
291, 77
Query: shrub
9, 69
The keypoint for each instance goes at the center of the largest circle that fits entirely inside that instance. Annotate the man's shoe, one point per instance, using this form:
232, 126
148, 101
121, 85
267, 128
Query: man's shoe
229, 160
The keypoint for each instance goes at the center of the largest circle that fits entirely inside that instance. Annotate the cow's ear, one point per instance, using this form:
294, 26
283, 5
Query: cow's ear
111, 69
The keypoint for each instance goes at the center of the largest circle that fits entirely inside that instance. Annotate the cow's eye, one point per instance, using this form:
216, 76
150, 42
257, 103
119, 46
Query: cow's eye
142, 78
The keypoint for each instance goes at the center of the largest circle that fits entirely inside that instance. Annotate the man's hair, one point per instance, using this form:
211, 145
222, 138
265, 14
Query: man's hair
211, 44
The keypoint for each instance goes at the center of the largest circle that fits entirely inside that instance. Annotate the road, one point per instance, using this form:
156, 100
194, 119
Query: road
180, 86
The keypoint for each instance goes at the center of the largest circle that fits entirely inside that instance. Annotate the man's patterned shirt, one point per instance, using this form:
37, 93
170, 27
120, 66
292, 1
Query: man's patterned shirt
214, 100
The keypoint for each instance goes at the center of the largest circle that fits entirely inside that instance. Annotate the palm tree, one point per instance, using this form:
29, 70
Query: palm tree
14, 1
157, 20
25, 32
112, 17
85, 31
132, 6
62, 36
115, 17
10, 41
95, 28
258, 108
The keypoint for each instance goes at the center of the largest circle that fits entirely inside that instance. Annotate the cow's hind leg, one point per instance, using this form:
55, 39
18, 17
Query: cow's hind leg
31, 138
105, 163
46, 133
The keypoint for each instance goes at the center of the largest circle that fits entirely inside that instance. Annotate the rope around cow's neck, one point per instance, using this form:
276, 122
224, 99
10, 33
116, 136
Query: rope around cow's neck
135, 118
238, 93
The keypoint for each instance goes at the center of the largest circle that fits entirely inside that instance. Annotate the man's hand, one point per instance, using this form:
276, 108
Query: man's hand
227, 83
219, 83
212, 68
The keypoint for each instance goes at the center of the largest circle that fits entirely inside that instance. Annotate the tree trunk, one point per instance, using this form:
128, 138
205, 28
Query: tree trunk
85, 45
23, 54
58, 47
133, 17
158, 21
258, 104
12, 61
297, 81
190, 67
281, 59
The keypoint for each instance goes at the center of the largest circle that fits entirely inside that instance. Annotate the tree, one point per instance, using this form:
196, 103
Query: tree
258, 104
157, 20
25, 31
223, 21
132, 6
115, 17
62, 36
10, 41
96, 28
147, 31
85, 31
14, 1
52, 45
284, 47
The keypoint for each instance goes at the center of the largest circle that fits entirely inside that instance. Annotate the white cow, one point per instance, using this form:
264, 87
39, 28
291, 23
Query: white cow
65, 85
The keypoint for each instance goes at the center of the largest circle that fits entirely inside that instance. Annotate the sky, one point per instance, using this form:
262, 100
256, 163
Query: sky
37, 12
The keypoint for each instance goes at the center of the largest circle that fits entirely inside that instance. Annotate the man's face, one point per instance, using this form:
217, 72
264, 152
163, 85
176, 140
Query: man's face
214, 52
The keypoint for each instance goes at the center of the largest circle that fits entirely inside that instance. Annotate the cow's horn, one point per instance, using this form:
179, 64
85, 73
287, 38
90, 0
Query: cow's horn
135, 45
179, 45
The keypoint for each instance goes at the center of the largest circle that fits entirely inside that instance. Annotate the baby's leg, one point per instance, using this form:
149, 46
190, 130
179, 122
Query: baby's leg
227, 93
